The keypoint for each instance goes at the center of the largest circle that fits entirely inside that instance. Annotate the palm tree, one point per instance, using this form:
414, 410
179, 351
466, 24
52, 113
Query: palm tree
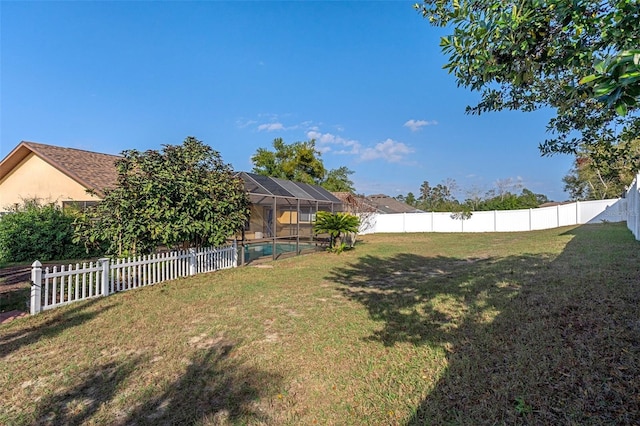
336, 225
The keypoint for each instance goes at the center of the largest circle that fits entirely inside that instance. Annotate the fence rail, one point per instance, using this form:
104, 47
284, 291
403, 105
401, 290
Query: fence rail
54, 287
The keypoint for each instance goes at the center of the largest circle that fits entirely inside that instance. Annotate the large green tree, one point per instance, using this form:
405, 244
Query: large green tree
602, 173
182, 195
337, 180
438, 198
300, 162
578, 57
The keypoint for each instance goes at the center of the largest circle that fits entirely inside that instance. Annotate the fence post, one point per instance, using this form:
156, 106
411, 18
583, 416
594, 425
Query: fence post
635, 206
235, 254
104, 262
36, 288
192, 261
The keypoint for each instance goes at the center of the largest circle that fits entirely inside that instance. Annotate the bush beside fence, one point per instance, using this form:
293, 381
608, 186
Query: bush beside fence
54, 287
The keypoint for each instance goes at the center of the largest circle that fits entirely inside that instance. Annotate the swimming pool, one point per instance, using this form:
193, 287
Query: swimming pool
258, 250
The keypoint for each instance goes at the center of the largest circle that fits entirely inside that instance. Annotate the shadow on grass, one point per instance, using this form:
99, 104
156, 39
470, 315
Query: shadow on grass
58, 321
215, 389
529, 339
77, 405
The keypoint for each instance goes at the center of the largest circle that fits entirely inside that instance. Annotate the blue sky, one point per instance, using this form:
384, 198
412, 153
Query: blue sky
364, 79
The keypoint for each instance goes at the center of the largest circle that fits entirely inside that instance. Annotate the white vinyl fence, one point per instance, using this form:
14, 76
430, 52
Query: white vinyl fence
633, 207
612, 210
53, 287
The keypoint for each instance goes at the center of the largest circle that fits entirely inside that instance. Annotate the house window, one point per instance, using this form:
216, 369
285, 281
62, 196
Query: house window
292, 215
307, 215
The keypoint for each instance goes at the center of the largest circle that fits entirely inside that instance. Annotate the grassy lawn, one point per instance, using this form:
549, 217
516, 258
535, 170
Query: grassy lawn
521, 328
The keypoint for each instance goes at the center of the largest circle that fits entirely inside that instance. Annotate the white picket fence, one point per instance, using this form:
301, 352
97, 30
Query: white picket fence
54, 287
612, 210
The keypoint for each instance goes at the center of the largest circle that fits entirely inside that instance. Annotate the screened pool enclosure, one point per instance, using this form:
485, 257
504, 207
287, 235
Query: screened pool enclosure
282, 216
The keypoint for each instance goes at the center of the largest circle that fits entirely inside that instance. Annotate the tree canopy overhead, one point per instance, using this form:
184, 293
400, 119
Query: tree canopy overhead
578, 57
181, 195
300, 162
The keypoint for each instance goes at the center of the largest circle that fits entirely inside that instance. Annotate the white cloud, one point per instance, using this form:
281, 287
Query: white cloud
242, 123
389, 150
274, 122
416, 125
270, 127
329, 142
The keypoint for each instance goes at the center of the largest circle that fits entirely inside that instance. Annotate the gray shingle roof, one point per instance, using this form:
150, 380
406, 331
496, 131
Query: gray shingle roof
391, 205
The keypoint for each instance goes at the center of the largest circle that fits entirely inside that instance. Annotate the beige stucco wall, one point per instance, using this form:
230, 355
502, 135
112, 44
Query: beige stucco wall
34, 177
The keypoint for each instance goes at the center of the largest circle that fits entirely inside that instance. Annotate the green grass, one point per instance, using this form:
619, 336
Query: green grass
520, 328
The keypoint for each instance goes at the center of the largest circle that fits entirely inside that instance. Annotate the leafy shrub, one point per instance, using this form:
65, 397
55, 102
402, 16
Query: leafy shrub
180, 196
39, 231
336, 225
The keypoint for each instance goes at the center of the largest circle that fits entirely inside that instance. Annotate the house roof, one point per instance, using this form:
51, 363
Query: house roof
92, 170
97, 171
388, 204
356, 203
269, 186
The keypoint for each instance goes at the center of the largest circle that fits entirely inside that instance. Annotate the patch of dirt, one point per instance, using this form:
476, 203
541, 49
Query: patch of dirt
14, 278
11, 315
204, 341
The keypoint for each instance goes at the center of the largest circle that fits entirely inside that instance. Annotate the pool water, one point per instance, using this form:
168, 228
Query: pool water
255, 251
